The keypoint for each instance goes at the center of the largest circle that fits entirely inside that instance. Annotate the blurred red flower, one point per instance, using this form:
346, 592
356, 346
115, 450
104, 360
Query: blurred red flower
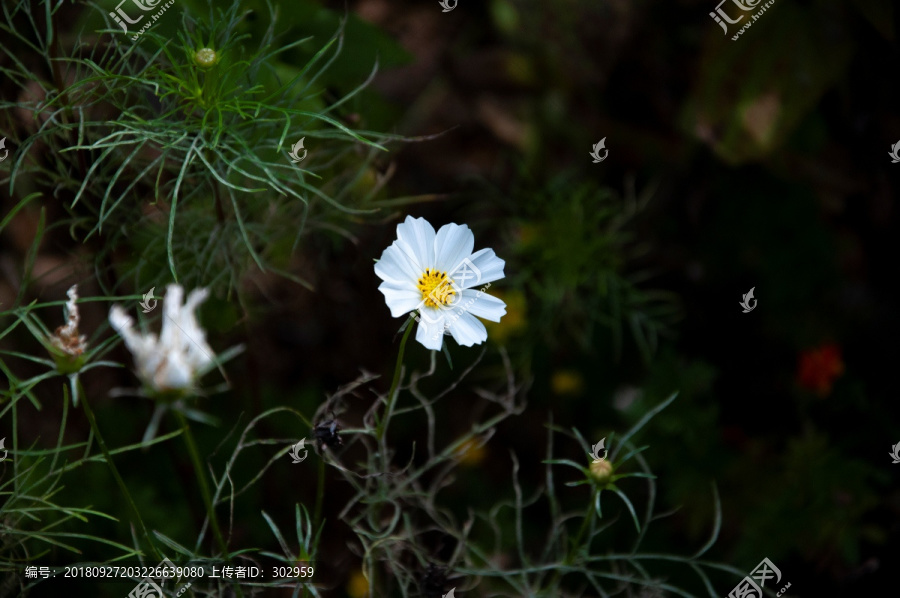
818, 368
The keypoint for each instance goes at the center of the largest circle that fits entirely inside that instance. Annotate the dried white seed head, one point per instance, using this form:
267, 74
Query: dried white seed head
66, 338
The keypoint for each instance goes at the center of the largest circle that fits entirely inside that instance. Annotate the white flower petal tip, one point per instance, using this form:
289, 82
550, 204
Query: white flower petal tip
180, 355
437, 275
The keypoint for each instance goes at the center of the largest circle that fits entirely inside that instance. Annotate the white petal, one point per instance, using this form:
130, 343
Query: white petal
175, 373
144, 349
397, 266
198, 352
171, 335
431, 328
122, 323
483, 267
196, 297
148, 365
467, 330
415, 238
452, 244
401, 298
479, 303
182, 346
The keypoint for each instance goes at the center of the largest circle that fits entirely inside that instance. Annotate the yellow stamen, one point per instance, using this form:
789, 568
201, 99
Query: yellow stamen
436, 288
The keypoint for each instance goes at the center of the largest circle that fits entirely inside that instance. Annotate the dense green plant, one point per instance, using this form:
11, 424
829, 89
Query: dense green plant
394, 505
393, 547
580, 258
181, 160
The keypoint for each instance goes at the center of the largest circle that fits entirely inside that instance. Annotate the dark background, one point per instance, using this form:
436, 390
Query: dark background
764, 164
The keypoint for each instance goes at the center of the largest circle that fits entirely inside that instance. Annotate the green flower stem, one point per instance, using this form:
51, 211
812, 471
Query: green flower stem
381, 429
588, 519
112, 467
585, 524
201, 478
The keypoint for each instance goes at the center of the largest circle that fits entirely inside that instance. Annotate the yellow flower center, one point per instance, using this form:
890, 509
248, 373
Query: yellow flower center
436, 288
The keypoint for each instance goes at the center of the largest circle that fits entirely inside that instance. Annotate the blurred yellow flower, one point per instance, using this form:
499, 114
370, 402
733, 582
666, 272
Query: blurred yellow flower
528, 234
513, 322
358, 586
566, 382
471, 453
520, 69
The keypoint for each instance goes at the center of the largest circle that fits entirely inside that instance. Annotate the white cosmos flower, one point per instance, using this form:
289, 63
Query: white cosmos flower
180, 355
435, 274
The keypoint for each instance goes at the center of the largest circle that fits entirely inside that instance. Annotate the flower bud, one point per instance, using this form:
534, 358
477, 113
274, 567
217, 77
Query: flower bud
205, 57
601, 471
